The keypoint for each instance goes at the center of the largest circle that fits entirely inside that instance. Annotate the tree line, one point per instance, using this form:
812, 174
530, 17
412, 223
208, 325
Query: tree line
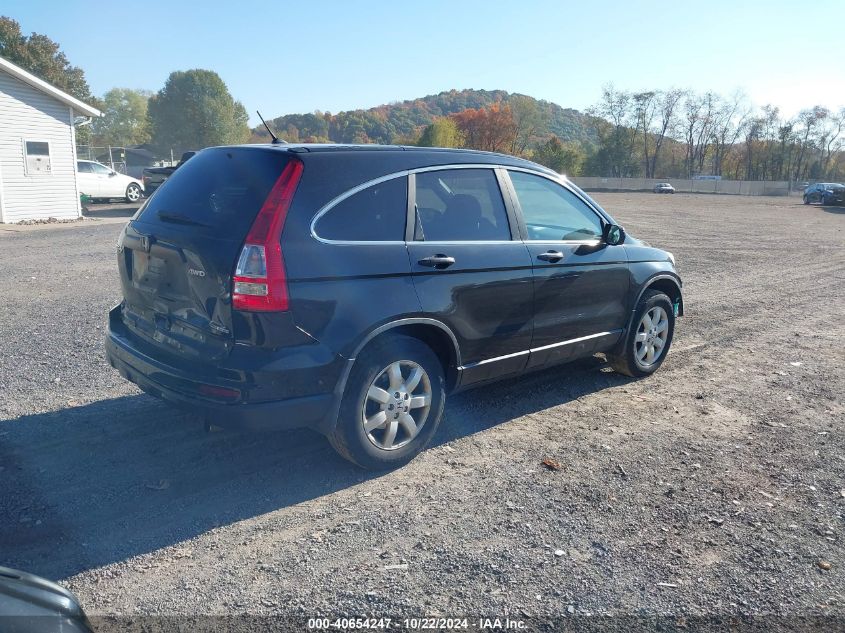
683, 134
670, 133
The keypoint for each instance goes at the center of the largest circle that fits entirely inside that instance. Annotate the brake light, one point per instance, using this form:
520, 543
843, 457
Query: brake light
260, 283
218, 392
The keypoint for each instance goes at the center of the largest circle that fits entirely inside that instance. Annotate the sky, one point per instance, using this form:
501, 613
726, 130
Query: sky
285, 57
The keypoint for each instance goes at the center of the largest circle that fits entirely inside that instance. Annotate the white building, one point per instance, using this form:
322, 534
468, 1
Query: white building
37, 147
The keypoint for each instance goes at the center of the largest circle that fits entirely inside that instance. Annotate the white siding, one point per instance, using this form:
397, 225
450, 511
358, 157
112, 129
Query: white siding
27, 113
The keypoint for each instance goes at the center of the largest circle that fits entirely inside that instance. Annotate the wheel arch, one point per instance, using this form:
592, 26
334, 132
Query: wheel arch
432, 332
666, 283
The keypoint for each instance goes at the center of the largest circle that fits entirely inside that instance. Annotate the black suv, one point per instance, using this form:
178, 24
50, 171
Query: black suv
826, 193
350, 288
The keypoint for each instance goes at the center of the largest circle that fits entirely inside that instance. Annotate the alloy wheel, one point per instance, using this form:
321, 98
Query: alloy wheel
652, 334
397, 404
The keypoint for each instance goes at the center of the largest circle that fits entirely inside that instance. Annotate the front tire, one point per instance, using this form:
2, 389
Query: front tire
392, 404
648, 340
806, 200
133, 193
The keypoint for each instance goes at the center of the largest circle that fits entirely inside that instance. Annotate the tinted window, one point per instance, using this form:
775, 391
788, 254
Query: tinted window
83, 168
552, 212
219, 189
375, 214
460, 205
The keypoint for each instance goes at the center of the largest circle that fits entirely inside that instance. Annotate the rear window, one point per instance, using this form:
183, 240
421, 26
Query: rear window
219, 190
374, 214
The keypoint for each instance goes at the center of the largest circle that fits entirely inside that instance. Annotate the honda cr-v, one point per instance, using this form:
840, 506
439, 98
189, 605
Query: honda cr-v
350, 289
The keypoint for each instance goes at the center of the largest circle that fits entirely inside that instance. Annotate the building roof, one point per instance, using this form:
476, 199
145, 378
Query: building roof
39, 84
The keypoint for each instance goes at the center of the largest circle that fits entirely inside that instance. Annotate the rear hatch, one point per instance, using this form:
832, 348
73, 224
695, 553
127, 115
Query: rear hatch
177, 256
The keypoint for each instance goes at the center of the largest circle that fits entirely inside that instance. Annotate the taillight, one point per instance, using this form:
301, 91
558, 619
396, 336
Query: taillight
260, 283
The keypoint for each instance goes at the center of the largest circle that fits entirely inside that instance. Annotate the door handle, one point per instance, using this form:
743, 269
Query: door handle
437, 261
550, 256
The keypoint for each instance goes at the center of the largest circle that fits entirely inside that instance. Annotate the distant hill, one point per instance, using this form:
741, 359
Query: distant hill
403, 122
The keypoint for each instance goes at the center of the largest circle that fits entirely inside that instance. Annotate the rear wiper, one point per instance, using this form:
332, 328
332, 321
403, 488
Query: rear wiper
178, 218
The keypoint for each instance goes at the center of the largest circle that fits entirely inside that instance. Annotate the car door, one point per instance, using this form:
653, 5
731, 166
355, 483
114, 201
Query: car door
580, 282
108, 183
87, 180
469, 268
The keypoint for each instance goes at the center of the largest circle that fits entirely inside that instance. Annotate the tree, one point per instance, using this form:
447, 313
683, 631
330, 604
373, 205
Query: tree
490, 129
528, 120
830, 140
645, 104
667, 104
809, 120
443, 132
564, 158
616, 143
124, 121
729, 122
193, 110
42, 57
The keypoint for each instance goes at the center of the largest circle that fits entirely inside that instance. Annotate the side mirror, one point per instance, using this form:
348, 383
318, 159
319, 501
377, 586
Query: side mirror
112, 173
613, 234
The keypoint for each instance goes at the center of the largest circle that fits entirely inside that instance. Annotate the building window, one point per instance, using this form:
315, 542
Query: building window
37, 158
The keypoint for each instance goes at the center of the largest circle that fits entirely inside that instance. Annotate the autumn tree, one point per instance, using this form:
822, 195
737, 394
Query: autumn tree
124, 121
443, 132
490, 129
193, 110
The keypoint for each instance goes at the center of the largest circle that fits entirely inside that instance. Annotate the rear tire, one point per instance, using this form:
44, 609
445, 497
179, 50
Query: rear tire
806, 200
133, 193
648, 340
378, 430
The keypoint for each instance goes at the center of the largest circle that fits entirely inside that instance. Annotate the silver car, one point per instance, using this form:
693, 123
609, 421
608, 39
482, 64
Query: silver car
663, 187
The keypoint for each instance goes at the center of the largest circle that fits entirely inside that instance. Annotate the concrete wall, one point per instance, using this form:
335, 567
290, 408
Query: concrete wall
731, 187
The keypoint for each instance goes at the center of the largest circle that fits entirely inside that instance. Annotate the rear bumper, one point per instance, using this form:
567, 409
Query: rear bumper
182, 389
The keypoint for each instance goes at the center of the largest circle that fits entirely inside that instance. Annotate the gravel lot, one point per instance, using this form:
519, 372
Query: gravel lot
716, 486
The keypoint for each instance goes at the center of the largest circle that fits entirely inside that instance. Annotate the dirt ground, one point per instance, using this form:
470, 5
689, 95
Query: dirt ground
714, 487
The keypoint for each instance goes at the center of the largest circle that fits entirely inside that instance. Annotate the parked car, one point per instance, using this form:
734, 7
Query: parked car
98, 182
154, 177
350, 289
30, 604
663, 187
827, 193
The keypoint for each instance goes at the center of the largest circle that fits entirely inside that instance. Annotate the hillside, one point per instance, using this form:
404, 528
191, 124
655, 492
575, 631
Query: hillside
403, 121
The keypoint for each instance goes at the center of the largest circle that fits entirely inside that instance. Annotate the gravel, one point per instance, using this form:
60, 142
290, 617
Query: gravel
712, 488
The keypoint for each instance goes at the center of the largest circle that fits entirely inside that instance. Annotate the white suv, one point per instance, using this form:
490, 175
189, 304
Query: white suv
98, 181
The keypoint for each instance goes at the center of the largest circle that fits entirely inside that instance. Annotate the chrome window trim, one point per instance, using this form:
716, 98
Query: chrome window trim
566, 242
540, 349
348, 194
401, 174
563, 181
